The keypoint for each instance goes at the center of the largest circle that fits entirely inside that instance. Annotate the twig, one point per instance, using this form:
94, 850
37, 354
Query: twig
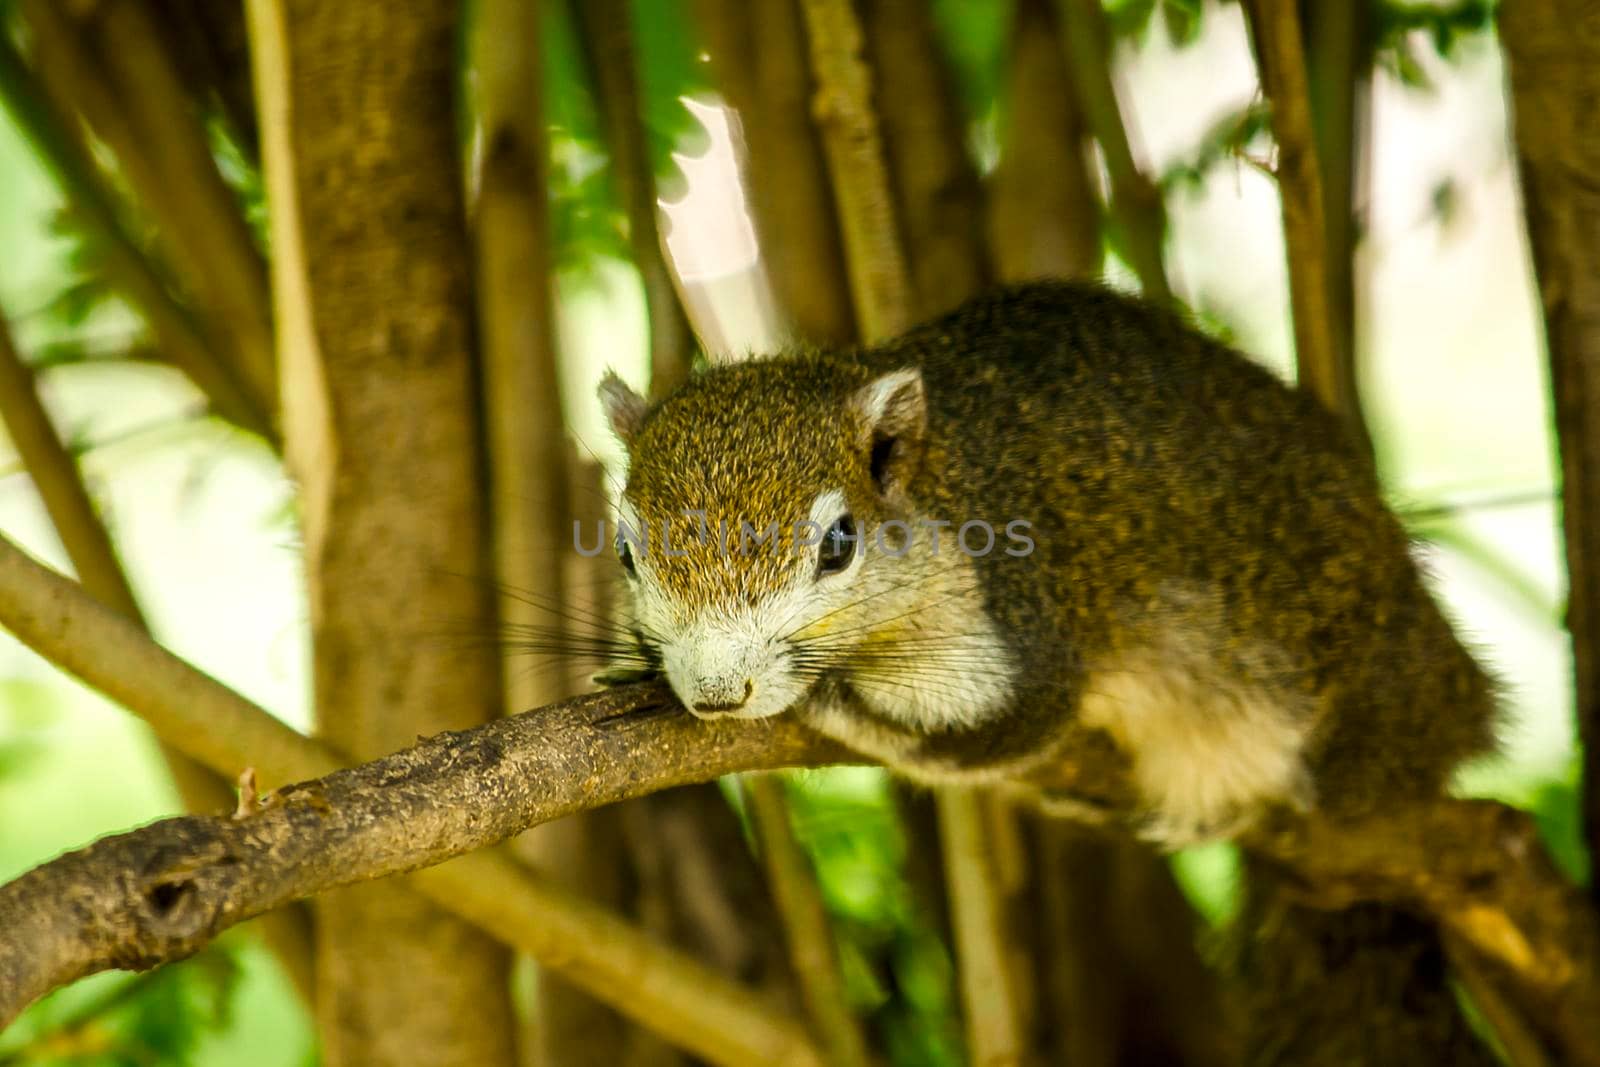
1338, 68
805, 921
1136, 203
449, 795
521, 397
879, 282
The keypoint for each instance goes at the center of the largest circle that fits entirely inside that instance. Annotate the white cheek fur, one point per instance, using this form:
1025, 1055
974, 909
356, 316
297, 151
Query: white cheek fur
904, 630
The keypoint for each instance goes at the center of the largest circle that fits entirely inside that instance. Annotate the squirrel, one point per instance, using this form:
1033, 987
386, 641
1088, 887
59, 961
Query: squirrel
1056, 507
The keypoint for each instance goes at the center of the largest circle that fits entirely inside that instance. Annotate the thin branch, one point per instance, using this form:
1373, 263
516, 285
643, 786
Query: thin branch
937, 194
130, 272
452, 794
879, 281
881, 288
1553, 47
989, 999
524, 428
1136, 203
1338, 69
607, 36
77, 523
1280, 49
811, 947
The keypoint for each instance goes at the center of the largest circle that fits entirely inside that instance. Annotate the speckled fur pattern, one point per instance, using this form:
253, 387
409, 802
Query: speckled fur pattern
1216, 581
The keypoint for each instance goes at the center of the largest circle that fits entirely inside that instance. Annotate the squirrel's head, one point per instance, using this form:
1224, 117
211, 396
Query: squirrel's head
752, 522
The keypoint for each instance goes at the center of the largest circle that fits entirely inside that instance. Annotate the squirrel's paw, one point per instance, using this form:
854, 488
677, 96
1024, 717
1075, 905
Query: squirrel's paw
612, 677
1170, 830
1058, 805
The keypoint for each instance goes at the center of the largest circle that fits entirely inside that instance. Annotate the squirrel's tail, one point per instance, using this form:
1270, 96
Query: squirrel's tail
1365, 986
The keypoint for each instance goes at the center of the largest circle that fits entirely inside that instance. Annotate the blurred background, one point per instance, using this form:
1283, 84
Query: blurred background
1447, 345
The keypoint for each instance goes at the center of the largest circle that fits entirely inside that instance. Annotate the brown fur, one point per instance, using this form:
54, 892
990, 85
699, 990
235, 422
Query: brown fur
1177, 491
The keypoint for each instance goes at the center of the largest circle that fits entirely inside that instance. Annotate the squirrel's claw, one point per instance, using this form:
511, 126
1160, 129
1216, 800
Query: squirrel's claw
612, 677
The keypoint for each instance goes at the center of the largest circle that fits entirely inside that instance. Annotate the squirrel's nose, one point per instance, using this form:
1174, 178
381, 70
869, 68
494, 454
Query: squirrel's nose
714, 706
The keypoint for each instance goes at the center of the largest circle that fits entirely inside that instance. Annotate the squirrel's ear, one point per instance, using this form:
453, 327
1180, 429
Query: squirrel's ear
894, 414
623, 407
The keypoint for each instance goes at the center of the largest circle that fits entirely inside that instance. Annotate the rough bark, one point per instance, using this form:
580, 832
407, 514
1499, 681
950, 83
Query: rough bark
758, 60
690, 1004
1044, 218
384, 445
937, 195
1554, 52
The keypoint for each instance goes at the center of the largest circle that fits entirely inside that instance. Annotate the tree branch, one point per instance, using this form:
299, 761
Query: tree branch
77, 523
606, 33
1136, 204
1553, 47
988, 994
811, 945
1280, 53
1044, 219
879, 281
162, 892
1479, 869
937, 194
113, 66
692, 1004
757, 50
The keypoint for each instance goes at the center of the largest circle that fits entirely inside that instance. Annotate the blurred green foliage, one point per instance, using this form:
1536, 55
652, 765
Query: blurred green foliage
896, 965
156, 1019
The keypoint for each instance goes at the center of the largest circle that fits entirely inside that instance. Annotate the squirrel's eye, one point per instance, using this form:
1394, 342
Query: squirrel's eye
838, 545
625, 554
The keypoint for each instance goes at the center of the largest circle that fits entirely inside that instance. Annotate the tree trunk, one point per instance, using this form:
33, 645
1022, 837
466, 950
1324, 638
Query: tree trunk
1044, 219
371, 283
1554, 52
758, 59
938, 197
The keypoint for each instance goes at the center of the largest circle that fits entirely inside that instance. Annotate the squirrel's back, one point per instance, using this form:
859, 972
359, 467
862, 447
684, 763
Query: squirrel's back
1201, 526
